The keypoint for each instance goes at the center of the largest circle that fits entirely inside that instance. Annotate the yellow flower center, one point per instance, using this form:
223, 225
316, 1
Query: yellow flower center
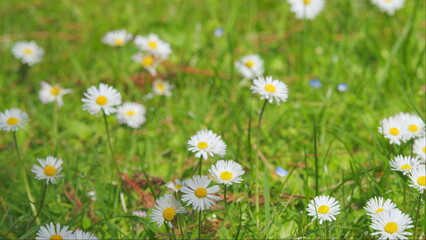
101, 100
202, 145
323, 209
178, 186
424, 149
413, 128
249, 64
28, 51
119, 42
388, 0
169, 214
130, 113
406, 167
391, 227
226, 176
421, 180
152, 44
147, 61
270, 88
56, 237
201, 192
55, 91
50, 170
380, 210
160, 87
394, 131
12, 121
306, 2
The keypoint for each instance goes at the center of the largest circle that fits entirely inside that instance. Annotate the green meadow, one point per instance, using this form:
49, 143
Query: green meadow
327, 140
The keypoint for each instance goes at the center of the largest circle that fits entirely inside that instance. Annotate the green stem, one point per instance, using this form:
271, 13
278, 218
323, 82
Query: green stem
43, 196
200, 164
109, 144
417, 214
15, 142
226, 202
316, 158
149, 182
257, 159
179, 220
55, 128
199, 224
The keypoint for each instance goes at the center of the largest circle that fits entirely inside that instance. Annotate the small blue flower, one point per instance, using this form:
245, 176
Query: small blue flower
281, 172
342, 87
218, 32
315, 83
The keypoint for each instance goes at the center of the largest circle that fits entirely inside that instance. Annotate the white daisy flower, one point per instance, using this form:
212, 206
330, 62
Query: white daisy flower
393, 129
103, 98
28, 52
50, 93
13, 119
154, 45
139, 213
205, 143
80, 235
165, 210
418, 178
49, 169
250, 66
162, 88
270, 89
413, 124
175, 185
391, 224
198, 194
419, 148
132, 114
117, 38
404, 164
52, 232
227, 172
324, 208
306, 9
147, 61
389, 6
377, 205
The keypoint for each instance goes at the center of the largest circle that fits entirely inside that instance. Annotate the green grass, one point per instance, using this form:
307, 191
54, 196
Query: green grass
380, 57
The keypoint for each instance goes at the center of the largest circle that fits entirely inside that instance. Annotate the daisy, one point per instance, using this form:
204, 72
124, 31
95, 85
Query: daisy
389, 6
162, 88
205, 143
49, 169
250, 66
393, 129
270, 89
324, 208
50, 232
13, 119
139, 213
117, 38
198, 194
306, 9
404, 164
50, 93
28, 52
147, 61
165, 210
176, 185
103, 98
377, 205
391, 224
154, 45
418, 178
80, 235
419, 148
227, 172
413, 124
131, 114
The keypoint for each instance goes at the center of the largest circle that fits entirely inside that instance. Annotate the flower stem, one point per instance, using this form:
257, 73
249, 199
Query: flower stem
257, 159
199, 224
55, 127
43, 196
226, 202
200, 164
417, 214
109, 144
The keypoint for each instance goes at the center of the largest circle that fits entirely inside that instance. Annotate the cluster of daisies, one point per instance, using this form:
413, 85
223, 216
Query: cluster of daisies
413, 168
196, 191
387, 220
152, 50
309, 9
56, 232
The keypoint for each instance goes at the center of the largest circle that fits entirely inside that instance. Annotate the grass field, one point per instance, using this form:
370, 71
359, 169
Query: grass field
327, 140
